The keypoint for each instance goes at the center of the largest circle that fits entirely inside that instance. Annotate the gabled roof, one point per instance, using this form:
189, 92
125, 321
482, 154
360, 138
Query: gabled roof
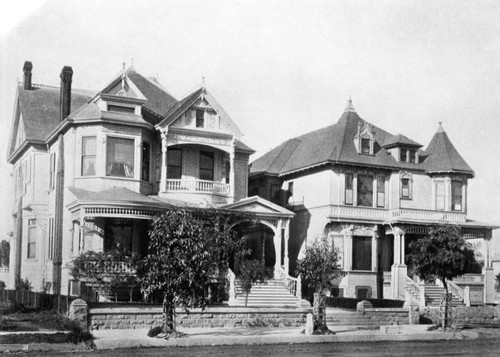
40, 110
333, 144
443, 157
184, 104
259, 206
400, 140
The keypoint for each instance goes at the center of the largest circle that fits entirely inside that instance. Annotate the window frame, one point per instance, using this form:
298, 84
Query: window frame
364, 260
145, 163
31, 239
366, 150
109, 138
406, 177
380, 184
170, 166
358, 191
200, 120
349, 182
440, 196
208, 154
453, 196
401, 157
84, 156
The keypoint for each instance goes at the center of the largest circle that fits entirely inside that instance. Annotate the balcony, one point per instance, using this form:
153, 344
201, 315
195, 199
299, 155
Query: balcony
397, 214
198, 186
416, 215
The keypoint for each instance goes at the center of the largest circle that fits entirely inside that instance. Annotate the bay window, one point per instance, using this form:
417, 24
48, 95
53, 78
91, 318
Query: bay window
120, 157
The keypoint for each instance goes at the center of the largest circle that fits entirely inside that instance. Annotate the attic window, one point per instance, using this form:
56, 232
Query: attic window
402, 155
200, 118
121, 109
412, 156
365, 146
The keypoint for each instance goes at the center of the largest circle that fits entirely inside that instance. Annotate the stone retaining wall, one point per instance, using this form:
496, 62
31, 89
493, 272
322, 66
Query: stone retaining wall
389, 316
465, 315
133, 318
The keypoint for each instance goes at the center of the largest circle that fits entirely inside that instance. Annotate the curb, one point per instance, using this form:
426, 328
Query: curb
260, 340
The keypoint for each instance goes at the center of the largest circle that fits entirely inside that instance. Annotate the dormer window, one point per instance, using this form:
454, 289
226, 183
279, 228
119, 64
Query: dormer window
200, 118
412, 156
365, 146
402, 155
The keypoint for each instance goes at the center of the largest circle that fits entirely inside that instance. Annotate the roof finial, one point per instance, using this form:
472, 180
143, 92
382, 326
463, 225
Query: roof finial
123, 65
350, 107
131, 62
203, 82
440, 127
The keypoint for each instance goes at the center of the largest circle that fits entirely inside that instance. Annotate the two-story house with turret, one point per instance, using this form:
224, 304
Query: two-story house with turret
372, 193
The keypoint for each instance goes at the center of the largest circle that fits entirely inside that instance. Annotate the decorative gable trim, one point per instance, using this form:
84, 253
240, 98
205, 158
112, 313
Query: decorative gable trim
364, 140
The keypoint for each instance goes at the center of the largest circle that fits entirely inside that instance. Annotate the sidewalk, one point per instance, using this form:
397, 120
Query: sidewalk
111, 339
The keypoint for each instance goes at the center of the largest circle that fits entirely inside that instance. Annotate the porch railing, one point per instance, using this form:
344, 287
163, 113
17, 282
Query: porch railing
198, 186
413, 289
358, 212
293, 285
111, 267
458, 292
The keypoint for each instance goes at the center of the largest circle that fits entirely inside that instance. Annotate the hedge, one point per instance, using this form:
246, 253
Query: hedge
350, 303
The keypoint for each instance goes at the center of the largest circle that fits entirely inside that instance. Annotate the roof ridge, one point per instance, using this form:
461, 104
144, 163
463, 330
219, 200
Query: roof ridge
157, 84
46, 86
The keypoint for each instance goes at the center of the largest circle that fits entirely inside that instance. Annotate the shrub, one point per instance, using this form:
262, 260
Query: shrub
23, 284
2, 285
155, 331
350, 303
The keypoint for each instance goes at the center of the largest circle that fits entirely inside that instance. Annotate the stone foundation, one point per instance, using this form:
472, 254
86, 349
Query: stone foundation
147, 317
465, 315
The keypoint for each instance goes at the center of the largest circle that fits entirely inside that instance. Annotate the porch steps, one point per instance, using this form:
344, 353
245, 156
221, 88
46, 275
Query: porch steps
272, 293
434, 294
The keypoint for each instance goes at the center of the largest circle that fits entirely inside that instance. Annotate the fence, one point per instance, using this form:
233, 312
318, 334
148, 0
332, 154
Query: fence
35, 300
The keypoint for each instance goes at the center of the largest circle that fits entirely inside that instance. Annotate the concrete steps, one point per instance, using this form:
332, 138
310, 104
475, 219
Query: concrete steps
272, 293
434, 294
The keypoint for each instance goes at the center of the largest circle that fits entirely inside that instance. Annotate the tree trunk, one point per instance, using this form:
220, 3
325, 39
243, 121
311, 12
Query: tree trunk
444, 320
169, 315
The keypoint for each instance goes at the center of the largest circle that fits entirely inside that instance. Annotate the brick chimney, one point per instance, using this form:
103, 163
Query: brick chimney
28, 66
65, 103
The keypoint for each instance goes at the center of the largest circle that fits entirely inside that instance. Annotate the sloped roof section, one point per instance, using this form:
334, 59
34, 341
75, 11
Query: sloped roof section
159, 100
443, 157
115, 194
400, 140
332, 144
180, 107
40, 110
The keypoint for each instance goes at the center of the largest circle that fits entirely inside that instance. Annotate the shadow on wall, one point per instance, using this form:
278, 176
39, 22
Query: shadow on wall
298, 234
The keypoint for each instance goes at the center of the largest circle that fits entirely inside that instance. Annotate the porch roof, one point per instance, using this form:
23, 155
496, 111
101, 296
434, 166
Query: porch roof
256, 205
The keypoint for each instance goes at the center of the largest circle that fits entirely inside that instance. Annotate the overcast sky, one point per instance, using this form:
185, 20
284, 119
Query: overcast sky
282, 68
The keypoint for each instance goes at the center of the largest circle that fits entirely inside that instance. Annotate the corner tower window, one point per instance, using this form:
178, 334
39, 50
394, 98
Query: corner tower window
440, 199
88, 155
146, 157
120, 157
456, 193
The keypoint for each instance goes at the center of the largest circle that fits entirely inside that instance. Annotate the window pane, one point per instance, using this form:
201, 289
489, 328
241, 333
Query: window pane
338, 243
88, 155
402, 155
456, 189
200, 118
405, 187
365, 146
31, 242
120, 157
412, 156
146, 156
348, 189
120, 109
174, 164
380, 192
206, 165
362, 253
440, 196
365, 191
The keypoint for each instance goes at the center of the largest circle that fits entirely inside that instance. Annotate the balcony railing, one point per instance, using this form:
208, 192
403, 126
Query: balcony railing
405, 214
201, 186
427, 215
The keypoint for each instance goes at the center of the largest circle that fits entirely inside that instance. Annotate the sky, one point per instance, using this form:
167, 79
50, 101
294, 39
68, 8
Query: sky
281, 68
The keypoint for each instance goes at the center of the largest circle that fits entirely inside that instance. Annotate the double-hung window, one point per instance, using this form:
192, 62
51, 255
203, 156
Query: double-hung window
380, 191
200, 118
88, 155
31, 238
365, 190
349, 194
440, 195
456, 195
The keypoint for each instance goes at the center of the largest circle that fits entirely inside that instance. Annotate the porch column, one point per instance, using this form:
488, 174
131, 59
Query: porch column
348, 251
277, 249
163, 177
398, 269
489, 274
375, 238
287, 237
231, 172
